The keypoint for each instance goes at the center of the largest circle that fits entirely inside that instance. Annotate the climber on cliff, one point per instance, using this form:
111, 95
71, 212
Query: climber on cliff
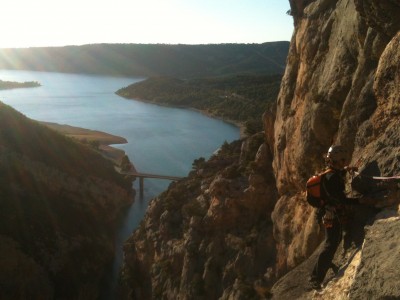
333, 211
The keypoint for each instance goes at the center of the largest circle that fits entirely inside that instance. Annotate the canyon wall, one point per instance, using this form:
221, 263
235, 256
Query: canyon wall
341, 86
208, 236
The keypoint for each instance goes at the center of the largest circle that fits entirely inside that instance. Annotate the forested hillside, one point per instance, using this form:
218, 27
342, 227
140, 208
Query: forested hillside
241, 99
59, 207
145, 60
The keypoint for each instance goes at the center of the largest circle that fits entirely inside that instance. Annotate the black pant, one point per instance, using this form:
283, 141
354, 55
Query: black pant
333, 236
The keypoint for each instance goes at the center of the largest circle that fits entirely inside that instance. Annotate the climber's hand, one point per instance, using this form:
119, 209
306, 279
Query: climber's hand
350, 169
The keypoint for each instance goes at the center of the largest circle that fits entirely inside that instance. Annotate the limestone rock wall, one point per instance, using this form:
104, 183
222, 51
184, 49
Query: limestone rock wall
341, 85
208, 236
369, 272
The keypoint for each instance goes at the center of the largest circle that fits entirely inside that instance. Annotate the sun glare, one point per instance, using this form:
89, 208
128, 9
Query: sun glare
28, 23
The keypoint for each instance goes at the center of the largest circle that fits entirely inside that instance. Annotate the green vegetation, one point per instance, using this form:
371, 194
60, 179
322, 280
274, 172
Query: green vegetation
15, 85
241, 99
182, 61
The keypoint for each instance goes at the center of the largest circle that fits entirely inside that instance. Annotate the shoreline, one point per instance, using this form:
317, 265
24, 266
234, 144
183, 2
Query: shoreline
105, 140
88, 136
240, 125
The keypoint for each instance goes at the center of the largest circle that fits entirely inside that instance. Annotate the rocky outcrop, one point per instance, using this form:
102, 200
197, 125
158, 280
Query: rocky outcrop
208, 236
369, 272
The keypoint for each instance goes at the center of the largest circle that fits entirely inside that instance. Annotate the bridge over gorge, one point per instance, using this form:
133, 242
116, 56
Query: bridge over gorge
142, 176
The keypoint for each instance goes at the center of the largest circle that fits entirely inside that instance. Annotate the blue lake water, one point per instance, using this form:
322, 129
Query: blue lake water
161, 140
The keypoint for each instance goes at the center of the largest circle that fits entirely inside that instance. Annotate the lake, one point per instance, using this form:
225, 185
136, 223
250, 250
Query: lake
161, 140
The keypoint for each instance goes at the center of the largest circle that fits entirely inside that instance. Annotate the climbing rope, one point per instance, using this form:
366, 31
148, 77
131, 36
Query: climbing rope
379, 177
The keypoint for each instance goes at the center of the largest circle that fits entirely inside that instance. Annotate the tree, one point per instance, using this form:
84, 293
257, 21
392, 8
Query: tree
198, 163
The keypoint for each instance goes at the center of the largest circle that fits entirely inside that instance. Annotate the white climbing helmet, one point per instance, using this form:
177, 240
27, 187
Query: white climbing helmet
337, 153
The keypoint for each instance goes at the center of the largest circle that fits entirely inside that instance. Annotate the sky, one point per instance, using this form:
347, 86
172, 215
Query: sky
41, 23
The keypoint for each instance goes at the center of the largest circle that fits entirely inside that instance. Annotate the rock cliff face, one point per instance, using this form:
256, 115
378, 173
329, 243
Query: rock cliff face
210, 235
239, 223
341, 86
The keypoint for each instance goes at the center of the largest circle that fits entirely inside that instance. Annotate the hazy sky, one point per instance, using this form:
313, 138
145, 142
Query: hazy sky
32, 23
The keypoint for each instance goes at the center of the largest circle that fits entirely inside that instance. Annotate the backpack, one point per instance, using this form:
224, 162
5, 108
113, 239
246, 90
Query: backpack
314, 190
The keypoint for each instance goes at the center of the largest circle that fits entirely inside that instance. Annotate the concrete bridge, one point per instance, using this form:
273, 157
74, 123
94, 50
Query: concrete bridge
133, 172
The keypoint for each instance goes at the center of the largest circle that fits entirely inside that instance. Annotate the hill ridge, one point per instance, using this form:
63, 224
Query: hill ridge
179, 60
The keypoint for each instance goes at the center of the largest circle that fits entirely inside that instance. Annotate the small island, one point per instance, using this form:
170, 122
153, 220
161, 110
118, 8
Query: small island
6, 85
